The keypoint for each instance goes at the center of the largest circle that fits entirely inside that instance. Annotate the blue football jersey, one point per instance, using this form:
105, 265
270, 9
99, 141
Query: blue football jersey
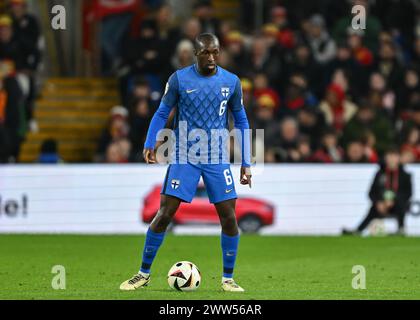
202, 102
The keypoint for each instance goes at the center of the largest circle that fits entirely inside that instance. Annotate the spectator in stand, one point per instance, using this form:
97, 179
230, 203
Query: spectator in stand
117, 131
410, 146
371, 32
397, 17
49, 152
322, 46
413, 121
297, 96
390, 193
249, 101
27, 31
169, 35
304, 150
302, 62
380, 96
184, 55
362, 54
368, 120
339, 77
270, 35
330, 151
285, 35
388, 65
115, 17
283, 143
191, 29
263, 61
4, 141
10, 47
370, 147
311, 124
118, 152
203, 10
345, 61
262, 88
356, 152
336, 108
235, 46
141, 110
408, 93
143, 56
12, 113
264, 111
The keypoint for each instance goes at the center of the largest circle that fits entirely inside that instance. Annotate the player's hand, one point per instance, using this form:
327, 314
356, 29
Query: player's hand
246, 176
149, 155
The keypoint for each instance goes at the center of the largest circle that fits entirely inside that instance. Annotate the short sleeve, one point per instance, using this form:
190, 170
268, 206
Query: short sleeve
236, 101
170, 96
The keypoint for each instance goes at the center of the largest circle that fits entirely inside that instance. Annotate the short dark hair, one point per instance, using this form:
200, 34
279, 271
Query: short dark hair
49, 146
392, 150
204, 37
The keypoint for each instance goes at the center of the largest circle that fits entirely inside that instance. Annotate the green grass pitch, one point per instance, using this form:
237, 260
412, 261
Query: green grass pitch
267, 267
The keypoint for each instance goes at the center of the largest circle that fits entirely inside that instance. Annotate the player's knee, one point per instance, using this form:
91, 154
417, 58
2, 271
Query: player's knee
229, 223
164, 217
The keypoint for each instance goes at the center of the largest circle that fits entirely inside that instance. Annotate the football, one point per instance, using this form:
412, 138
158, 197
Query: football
184, 276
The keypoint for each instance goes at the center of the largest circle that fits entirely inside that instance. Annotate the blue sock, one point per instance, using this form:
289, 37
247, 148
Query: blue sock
229, 249
151, 246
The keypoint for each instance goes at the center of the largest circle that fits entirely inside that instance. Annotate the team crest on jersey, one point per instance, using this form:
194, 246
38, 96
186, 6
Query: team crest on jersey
175, 184
225, 91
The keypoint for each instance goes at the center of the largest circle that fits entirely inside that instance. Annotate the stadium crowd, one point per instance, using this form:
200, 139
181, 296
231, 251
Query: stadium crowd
20, 56
323, 91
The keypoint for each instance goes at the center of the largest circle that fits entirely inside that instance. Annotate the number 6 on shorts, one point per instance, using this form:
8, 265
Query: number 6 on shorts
228, 177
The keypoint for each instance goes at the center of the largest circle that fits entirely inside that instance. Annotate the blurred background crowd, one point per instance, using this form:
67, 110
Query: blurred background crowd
321, 90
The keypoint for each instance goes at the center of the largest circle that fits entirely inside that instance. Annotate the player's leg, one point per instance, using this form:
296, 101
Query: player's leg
154, 238
399, 213
221, 190
168, 207
229, 242
156, 232
372, 214
180, 185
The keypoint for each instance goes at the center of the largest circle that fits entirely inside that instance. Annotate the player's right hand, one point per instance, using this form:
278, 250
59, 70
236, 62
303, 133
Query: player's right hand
246, 176
149, 155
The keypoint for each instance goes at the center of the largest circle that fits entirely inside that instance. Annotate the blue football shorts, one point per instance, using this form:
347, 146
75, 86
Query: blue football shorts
181, 181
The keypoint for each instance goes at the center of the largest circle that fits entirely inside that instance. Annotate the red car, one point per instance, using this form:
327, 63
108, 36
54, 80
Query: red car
252, 214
